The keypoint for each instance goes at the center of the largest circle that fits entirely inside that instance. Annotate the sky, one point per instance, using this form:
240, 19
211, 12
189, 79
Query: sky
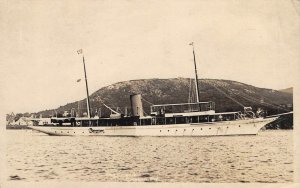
255, 42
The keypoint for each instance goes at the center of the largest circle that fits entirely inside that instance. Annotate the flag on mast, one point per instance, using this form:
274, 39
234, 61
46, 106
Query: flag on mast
79, 80
79, 51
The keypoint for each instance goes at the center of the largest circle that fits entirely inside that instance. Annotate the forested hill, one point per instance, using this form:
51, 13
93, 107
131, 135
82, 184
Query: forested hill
228, 95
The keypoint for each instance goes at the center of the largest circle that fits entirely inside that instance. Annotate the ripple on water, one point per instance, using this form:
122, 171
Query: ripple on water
40, 171
152, 159
145, 175
125, 168
15, 177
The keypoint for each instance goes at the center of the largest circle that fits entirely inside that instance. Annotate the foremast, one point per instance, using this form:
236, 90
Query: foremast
86, 85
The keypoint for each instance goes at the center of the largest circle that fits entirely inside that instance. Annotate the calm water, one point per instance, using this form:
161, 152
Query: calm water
267, 157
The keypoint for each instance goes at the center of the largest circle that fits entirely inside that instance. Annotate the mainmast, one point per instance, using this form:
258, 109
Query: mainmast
86, 85
196, 76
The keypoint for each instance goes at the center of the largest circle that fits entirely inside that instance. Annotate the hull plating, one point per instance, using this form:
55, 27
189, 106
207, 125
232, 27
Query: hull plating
238, 127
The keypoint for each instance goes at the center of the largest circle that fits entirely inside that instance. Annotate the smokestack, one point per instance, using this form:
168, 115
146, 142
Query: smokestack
136, 105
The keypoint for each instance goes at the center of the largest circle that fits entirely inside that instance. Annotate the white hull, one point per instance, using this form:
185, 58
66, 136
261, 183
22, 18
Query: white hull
222, 128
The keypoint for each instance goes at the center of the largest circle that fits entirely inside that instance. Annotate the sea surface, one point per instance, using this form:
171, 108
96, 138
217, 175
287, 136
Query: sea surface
267, 157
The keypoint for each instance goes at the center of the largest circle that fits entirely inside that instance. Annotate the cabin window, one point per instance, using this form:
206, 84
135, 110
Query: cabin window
160, 121
194, 119
170, 120
180, 120
147, 121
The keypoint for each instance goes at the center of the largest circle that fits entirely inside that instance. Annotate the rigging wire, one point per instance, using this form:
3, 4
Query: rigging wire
145, 112
274, 103
147, 101
251, 99
100, 100
226, 94
263, 103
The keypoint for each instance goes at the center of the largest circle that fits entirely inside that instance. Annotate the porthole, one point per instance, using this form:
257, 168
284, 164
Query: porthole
176, 129
183, 129
55, 131
74, 132
168, 130
227, 127
239, 126
61, 132
193, 130
159, 130
201, 129
209, 128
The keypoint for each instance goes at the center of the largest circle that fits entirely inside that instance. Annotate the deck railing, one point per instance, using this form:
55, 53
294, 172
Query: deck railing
182, 107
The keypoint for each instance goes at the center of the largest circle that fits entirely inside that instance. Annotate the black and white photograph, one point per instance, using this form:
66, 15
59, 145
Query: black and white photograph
149, 93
